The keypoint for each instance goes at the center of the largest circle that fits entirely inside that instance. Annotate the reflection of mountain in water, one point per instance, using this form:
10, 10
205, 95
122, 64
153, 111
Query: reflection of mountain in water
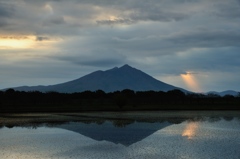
127, 135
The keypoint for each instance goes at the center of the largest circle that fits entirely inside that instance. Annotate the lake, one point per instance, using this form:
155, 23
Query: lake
123, 135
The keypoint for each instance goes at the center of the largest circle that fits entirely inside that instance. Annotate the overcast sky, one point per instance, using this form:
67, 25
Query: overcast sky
193, 44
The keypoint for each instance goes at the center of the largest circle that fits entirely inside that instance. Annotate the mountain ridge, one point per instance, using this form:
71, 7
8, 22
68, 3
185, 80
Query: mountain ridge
223, 93
115, 79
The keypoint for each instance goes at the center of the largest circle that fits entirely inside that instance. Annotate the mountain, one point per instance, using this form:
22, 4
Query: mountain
125, 77
228, 92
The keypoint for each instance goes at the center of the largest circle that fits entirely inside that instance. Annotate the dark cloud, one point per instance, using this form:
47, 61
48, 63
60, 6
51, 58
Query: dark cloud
106, 62
96, 58
206, 38
115, 22
96, 62
41, 38
157, 15
189, 73
6, 10
147, 16
202, 60
14, 37
3, 22
54, 20
229, 9
134, 12
226, 60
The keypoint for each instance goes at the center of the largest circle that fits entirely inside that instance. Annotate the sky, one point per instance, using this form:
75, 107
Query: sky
193, 44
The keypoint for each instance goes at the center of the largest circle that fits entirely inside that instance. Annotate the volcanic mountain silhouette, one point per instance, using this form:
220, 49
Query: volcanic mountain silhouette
116, 79
115, 132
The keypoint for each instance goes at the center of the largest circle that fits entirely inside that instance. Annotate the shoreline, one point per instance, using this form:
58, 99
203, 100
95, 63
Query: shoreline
16, 119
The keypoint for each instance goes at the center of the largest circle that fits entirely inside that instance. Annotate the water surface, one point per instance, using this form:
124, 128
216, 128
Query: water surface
198, 136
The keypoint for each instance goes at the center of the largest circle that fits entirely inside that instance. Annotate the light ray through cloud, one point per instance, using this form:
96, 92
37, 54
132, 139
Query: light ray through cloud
191, 81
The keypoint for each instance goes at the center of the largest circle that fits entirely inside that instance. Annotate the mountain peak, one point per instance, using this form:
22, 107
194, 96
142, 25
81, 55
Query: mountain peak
126, 66
114, 68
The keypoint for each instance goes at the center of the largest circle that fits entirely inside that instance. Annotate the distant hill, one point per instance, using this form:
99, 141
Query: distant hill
228, 92
125, 77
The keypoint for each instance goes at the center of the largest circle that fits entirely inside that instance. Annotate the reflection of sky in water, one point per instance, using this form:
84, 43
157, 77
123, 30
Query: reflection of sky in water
189, 139
190, 130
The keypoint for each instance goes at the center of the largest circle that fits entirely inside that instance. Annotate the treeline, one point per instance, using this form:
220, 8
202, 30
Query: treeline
126, 100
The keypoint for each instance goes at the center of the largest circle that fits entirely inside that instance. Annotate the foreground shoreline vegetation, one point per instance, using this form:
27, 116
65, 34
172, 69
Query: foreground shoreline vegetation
12, 101
118, 119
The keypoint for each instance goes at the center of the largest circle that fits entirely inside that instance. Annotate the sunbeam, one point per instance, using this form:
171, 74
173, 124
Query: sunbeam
191, 82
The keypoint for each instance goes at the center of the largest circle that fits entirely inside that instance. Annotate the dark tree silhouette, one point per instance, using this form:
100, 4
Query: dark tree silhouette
100, 94
16, 101
120, 100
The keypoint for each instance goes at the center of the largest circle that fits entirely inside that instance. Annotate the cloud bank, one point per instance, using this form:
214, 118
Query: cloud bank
46, 42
